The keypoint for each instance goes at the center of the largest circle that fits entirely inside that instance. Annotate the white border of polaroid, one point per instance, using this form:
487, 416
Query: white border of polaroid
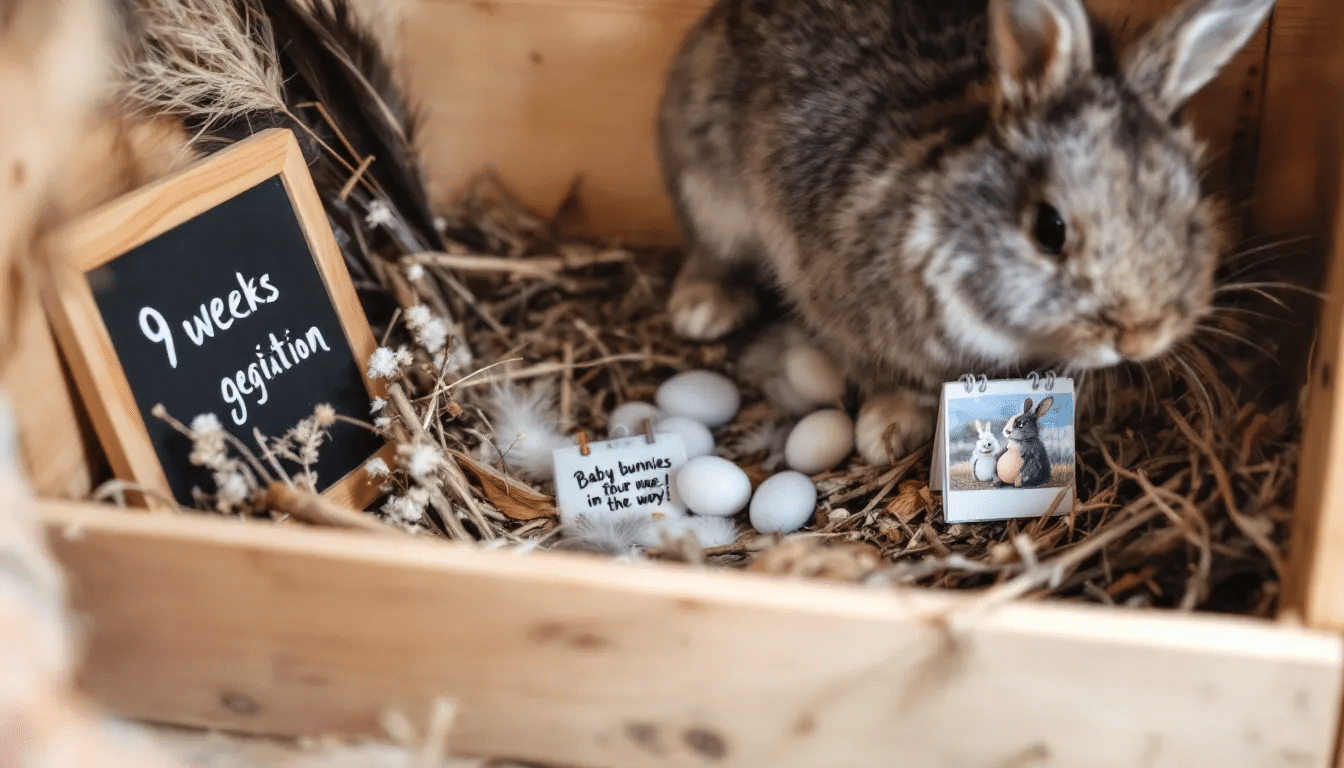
974, 499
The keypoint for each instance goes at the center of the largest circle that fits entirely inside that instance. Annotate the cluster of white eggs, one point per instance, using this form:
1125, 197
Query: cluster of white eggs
692, 403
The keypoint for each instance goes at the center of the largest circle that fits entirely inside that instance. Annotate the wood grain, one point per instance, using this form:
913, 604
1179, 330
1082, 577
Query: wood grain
547, 90
59, 449
115, 228
589, 662
357, 489
1314, 584
1299, 192
1304, 102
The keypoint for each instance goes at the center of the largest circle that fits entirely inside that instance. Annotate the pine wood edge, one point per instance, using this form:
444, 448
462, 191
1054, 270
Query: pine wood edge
357, 489
1235, 635
276, 629
108, 232
1314, 583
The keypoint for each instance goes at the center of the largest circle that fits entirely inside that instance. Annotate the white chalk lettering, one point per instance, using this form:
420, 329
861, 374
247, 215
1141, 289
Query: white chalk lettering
275, 356
315, 339
203, 327
160, 333
236, 298
236, 387
229, 390
217, 314
266, 283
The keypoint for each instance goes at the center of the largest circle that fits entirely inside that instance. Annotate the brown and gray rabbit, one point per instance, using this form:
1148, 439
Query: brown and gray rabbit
939, 187
1026, 462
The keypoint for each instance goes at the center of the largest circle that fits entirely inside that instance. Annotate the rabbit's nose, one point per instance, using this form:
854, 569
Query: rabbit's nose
1142, 342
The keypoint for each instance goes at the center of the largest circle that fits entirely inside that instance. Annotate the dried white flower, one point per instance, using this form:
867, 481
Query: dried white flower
440, 224
207, 442
380, 214
376, 467
418, 315
430, 330
377, 405
433, 335
205, 424
404, 509
382, 422
324, 415
415, 272
386, 364
383, 364
421, 460
232, 492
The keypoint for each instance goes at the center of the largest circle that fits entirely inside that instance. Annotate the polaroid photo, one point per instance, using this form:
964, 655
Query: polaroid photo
1005, 448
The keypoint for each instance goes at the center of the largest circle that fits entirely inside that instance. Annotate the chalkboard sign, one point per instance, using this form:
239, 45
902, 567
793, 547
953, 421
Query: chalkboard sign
219, 290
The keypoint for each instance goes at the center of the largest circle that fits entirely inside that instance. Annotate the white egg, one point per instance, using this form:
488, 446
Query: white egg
698, 439
783, 503
820, 441
708, 397
711, 485
812, 375
631, 416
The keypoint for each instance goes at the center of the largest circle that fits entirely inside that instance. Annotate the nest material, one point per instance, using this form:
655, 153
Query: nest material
1185, 467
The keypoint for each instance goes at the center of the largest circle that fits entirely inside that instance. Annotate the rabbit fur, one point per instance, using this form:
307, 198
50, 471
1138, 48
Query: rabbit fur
937, 187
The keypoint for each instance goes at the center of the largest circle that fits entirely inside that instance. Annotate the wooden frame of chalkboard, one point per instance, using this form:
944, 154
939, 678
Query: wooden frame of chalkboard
230, 205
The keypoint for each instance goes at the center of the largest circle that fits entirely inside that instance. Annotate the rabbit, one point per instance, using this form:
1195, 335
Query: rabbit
984, 461
1026, 463
937, 187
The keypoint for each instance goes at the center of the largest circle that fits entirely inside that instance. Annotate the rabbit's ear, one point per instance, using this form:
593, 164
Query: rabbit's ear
1188, 47
1026, 406
1037, 47
978, 428
1044, 406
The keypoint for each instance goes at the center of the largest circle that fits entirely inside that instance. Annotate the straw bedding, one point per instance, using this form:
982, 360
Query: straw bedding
493, 316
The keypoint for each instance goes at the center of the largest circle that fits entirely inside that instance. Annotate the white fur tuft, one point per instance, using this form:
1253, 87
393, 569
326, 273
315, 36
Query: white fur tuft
708, 531
527, 428
608, 534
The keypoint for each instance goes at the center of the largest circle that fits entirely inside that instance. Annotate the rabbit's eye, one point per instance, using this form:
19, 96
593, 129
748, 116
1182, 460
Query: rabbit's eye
1049, 230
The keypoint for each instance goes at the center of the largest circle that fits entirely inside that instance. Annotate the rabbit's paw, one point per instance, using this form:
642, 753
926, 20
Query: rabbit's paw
891, 425
706, 310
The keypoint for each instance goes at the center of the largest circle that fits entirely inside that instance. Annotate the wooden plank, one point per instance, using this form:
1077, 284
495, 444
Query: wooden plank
60, 452
545, 90
1304, 104
589, 662
1314, 583
1299, 192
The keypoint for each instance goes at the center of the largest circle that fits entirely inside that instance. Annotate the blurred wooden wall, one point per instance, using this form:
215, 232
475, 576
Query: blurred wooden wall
545, 90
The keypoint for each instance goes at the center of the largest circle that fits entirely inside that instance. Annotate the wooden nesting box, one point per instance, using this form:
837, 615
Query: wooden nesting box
579, 661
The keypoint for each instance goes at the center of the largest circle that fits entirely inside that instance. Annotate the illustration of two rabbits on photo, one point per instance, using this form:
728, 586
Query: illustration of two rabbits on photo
1015, 447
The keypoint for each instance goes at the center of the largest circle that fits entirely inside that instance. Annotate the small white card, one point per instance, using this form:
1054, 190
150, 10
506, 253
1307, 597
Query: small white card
620, 475
1004, 448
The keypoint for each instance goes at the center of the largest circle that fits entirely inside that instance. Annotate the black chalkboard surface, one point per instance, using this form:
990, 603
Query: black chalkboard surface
227, 314
218, 291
